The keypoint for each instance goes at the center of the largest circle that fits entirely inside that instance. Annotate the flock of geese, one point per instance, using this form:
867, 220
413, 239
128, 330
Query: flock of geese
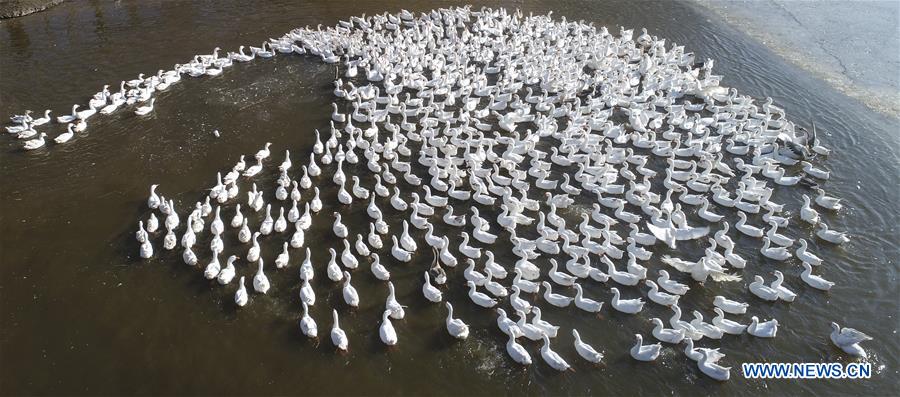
578, 149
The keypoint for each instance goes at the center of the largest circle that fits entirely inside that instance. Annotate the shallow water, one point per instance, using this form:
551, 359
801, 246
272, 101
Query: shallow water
82, 315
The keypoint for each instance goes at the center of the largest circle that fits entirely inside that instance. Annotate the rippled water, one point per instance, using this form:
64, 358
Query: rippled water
81, 314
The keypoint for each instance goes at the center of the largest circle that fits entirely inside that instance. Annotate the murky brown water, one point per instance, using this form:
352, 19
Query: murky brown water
79, 314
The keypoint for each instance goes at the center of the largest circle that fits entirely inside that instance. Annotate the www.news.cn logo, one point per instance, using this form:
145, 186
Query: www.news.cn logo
807, 370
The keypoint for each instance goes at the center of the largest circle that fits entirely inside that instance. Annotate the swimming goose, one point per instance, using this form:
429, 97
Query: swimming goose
516, 351
708, 330
670, 285
307, 294
658, 297
333, 271
35, 143
351, 297
338, 336
711, 369
586, 304
227, 274
726, 325
848, 339
240, 297
553, 358
758, 288
554, 298
585, 350
784, 293
386, 331
831, 236
767, 329
456, 327
643, 352
668, 335
307, 324
480, 298
730, 306
260, 281
814, 281
807, 213
628, 306
431, 292
213, 268
396, 309
805, 256
777, 253
828, 202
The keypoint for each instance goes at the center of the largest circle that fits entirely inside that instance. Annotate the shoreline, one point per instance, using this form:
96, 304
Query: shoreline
19, 8
795, 32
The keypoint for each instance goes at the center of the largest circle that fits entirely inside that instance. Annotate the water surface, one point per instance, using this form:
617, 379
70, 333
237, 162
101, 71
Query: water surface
82, 315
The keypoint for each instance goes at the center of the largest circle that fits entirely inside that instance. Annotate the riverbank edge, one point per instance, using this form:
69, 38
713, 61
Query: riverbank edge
884, 103
20, 8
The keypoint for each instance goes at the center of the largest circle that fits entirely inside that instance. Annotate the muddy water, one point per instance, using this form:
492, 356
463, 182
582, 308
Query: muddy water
81, 314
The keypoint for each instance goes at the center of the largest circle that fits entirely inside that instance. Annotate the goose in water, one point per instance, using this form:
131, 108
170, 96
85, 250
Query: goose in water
480, 298
260, 281
828, 202
307, 294
831, 236
307, 324
227, 274
726, 325
240, 297
805, 256
784, 293
643, 352
627, 306
338, 336
813, 280
730, 306
670, 285
397, 312
659, 297
766, 329
585, 350
456, 327
552, 358
351, 297
213, 268
711, 369
144, 110
588, 305
386, 331
668, 335
35, 143
758, 288
848, 340
339, 229
65, 136
807, 213
431, 292
516, 351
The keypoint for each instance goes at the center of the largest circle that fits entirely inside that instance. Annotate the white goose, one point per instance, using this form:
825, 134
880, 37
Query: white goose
585, 350
351, 297
552, 358
813, 280
456, 327
338, 336
643, 352
848, 339
386, 331
767, 329
628, 306
308, 324
240, 297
